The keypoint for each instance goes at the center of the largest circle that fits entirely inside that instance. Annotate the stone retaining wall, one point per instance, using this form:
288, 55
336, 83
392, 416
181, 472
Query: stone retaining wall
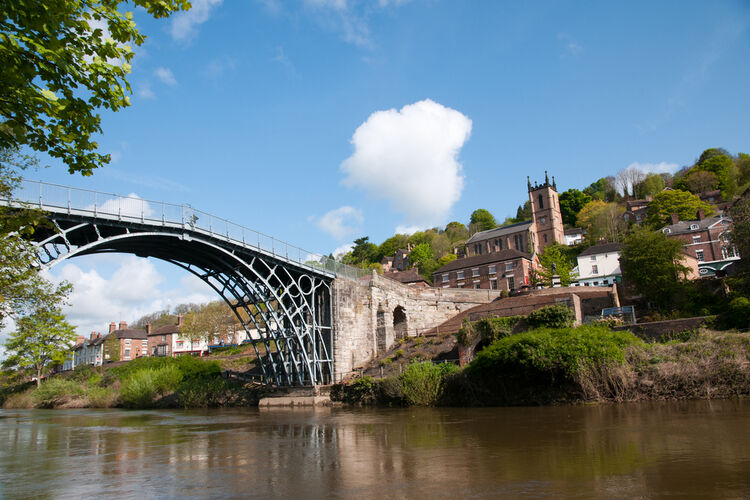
656, 330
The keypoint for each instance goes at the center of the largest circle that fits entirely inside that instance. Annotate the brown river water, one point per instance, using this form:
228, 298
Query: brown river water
695, 449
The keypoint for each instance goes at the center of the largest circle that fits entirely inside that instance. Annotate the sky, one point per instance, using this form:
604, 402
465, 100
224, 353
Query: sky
321, 121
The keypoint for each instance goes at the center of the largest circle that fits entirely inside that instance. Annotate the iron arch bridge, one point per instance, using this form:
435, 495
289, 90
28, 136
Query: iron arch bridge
275, 289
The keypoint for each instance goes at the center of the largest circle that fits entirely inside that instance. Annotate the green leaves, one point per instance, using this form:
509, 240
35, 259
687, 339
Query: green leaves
59, 65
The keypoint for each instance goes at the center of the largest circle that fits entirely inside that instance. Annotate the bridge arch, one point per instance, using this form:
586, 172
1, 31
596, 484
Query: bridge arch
286, 300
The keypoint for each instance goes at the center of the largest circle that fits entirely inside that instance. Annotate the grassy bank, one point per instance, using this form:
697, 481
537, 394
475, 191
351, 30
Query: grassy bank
570, 365
182, 382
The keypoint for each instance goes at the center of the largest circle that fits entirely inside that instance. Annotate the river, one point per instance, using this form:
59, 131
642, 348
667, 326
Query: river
695, 449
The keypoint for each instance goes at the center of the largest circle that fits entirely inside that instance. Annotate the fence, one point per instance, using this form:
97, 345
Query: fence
96, 204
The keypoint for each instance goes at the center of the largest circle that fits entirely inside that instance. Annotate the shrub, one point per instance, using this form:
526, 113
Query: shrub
738, 313
487, 329
101, 397
142, 386
557, 316
205, 392
82, 373
398, 354
56, 390
422, 383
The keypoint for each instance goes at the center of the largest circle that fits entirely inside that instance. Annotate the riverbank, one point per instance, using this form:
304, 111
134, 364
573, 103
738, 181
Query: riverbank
550, 366
182, 382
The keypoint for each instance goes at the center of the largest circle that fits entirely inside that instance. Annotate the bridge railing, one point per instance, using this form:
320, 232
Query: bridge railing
132, 208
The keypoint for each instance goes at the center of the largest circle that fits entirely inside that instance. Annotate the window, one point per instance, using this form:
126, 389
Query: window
666, 230
144, 343
491, 269
163, 338
729, 252
127, 353
127, 341
445, 277
545, 238
541, 201
493, 283
605, 282
162, 350
476, 286
179, 344
459, 275
696, 239
699, 255
509, 266
475, 272
594, 269
693, 226
477, 249
593, 258
511, 283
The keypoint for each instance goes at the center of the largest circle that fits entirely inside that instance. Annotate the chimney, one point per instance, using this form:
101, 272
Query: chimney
92, 336
112, 327
675, 218
148, 328
180, 319
123, 325
701, 214
80, 340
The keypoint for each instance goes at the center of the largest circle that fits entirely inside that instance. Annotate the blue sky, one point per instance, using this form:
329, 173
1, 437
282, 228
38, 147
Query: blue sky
320, 121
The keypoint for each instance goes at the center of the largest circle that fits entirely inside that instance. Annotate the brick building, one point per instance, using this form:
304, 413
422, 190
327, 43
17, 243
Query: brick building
544, 228
503, 270
131, 342
708, 239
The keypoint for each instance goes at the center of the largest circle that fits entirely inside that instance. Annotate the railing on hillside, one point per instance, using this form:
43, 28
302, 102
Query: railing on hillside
79, 201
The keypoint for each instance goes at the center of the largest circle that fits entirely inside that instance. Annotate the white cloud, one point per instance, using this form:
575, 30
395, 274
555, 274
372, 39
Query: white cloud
134, 289
220, 65
410, 158
571, 48
342, 250
131, 205
409, 229
184, 23
145, 91
166, 76
655, 168
340, 222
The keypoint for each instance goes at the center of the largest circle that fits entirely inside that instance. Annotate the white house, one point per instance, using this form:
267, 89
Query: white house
89, 352
599, 265
573, 236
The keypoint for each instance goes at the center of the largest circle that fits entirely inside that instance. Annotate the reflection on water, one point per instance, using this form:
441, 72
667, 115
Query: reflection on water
650, 450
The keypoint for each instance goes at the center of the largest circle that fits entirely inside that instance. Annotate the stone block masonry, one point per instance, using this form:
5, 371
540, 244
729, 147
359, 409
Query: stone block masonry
369, 316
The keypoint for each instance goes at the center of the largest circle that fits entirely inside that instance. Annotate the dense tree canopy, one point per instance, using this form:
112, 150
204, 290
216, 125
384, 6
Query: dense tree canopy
685, 205
602, 220
653, 263
571, 202
740, 213
602, 190
60, 62
482, 220
651, 185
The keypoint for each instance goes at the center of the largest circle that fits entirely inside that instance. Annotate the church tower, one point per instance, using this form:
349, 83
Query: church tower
547, 222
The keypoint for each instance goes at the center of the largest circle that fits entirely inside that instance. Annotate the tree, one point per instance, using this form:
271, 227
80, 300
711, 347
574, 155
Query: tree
685, 205
602, 220
22, 289
60, 62
602, 190
449, 257
571, 202
41, 339
213, 321
628, 178
420, 256
555, 260
710, 153
456, 232
724, 168
740, 213
363, 253
481, 220
743, 168
652, 184
388, 247
701, 181
652, 263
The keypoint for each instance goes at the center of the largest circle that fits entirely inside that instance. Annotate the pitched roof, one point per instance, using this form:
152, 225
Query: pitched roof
500, 231
479, 260
573, 230
408, 276
601, 248
165, 330
683, 226
129, 334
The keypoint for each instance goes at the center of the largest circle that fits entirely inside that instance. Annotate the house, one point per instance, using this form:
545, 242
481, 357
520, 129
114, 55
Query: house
168, 340
599, 265
573, 236
708, 239
544, 228
88, 351
409, 277
131, 343
636, 210
501, 270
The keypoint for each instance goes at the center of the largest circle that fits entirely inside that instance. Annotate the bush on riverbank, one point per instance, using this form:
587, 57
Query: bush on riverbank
182, 382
